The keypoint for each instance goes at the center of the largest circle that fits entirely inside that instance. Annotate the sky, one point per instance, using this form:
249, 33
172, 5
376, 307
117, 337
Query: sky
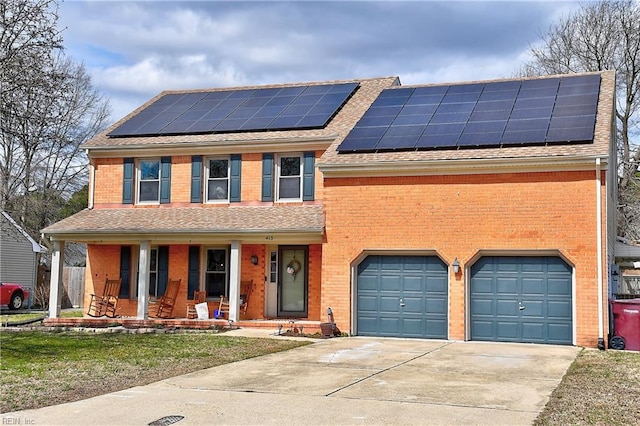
133, 50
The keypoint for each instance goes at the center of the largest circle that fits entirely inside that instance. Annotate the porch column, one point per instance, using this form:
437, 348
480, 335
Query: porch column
144, 262
57, 267
234, 280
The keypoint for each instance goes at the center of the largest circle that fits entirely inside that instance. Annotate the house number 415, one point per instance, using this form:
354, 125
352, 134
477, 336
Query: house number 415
269, 237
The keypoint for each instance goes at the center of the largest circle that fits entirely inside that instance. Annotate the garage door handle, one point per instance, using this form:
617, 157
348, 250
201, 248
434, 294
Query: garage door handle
402, 304
520, 306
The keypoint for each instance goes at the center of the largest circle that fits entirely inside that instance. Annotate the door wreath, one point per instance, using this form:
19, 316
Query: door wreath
293, 268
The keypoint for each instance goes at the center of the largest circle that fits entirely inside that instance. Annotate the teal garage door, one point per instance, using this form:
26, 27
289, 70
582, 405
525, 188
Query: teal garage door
521, 299
402, 296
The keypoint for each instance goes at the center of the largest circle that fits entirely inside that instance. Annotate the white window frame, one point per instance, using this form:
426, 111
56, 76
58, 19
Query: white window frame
300, 177
139, 180
207, 178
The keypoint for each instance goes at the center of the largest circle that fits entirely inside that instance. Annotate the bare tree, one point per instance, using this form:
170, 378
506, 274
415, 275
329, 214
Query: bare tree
604, 35
48, 109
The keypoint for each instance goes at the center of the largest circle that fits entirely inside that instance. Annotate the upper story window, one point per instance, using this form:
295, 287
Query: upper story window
146, 181
290, 170
217, 175
149, 181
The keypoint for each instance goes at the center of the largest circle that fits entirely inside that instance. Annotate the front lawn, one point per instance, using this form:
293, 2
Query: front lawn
38, 369
600, 388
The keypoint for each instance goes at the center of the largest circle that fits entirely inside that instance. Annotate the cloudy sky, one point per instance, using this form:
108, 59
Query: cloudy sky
135, 49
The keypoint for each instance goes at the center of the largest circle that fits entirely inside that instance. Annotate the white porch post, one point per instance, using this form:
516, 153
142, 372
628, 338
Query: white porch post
234, 280
57, 267
144, 262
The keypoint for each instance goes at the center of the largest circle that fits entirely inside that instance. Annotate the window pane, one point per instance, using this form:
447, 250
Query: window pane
153, 260
153, 285
216, 285
149, 170
290, 187
216, 260
290, 166
149, 191
218, 168
218, 190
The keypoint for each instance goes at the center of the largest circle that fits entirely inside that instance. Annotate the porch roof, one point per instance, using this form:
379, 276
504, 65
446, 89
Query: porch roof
90, 224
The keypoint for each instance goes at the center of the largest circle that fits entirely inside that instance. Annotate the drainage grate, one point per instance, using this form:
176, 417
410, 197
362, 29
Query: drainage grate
166, 421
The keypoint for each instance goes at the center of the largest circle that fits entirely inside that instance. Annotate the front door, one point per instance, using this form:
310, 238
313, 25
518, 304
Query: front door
292, 281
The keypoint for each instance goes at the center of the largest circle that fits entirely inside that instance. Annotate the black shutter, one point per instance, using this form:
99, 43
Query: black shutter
308, 179
163, 269
196, 179
267, 177
193, 282
125, 271
165, 180
127, 181
236, 169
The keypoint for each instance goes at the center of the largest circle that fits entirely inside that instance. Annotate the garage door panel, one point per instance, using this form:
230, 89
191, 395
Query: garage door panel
482, 306
534, 332
435, 305
483, 286
507, 286
533, 287
412, 283
507, 307
368, 304
542, 285
390, 282
437, 285
421, 282
508, 330
559, 309
533, 308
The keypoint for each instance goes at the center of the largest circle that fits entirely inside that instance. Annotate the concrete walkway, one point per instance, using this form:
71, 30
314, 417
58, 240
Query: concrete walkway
340, 381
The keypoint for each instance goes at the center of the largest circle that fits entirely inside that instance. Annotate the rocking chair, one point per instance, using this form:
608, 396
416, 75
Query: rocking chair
106, 303
168, 300
245, 292
198, 297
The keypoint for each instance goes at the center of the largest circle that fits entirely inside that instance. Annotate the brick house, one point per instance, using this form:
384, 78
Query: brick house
470, 211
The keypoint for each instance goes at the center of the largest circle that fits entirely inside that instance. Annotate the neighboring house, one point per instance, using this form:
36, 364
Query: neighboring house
470, 211
18, 255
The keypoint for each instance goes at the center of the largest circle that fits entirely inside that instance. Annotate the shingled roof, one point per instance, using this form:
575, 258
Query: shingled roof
192, 221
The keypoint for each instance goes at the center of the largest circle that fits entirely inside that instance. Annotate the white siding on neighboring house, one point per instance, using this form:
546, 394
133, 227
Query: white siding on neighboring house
18, 255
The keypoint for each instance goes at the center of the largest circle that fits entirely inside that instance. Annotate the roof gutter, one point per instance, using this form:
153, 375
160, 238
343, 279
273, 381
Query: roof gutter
458, 166
208, 147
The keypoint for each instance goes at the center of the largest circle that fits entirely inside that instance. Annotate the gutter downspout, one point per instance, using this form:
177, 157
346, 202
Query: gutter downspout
599, 254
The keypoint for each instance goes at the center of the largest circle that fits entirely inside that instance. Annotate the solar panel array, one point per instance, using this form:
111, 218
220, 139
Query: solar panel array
298, 107
539, 111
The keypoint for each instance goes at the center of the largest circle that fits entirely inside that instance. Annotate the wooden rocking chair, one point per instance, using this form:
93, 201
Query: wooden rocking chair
198, 297
106, 303
246, 287
168, 300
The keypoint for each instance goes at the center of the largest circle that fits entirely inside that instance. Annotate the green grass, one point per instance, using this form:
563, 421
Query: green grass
39, 368
600, 388
9, 319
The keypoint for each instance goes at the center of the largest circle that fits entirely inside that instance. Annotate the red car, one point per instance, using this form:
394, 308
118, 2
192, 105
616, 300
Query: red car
13, 295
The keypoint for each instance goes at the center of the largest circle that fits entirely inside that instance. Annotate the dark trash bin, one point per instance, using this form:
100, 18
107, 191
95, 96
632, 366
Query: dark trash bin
626, 324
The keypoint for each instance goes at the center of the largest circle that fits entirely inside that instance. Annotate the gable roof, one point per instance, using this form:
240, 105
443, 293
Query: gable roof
336, 162
37, 248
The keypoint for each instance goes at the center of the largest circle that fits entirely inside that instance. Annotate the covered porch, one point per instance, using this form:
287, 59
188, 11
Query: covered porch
212, 249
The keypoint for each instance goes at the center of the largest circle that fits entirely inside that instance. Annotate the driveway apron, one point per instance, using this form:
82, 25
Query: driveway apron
341, 381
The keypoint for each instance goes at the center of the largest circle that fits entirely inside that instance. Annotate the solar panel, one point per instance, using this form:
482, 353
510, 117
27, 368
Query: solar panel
536, 111
296, 107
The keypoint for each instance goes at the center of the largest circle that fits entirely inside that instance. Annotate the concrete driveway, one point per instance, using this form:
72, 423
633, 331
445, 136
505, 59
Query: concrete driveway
341, 381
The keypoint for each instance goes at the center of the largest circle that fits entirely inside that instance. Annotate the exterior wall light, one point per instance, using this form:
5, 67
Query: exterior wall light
456, 266
254, 259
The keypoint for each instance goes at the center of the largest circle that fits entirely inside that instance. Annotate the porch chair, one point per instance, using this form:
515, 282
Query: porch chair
198, 297
168, 300
105, 303
246, 287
